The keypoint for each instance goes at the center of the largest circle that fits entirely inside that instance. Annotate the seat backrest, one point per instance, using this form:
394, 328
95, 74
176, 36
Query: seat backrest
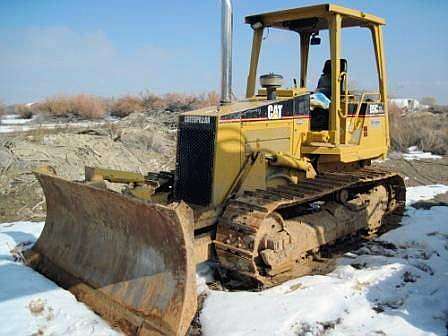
327, 66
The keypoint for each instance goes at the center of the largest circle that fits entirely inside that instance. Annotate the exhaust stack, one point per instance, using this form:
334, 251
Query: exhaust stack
226, 51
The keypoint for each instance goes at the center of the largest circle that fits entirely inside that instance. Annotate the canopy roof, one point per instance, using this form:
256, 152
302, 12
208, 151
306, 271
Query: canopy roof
313, 18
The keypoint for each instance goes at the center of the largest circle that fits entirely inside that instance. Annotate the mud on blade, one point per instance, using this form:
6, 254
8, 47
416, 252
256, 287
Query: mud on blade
131, 261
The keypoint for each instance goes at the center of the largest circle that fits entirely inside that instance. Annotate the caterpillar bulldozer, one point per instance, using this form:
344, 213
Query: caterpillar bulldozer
260, 185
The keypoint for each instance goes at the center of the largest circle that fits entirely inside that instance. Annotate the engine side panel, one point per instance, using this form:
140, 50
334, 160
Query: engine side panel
273, 127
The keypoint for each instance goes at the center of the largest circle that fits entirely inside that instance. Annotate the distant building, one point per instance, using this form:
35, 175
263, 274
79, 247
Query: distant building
407, 104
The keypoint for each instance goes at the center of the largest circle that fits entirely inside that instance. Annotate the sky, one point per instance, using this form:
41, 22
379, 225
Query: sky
113, 48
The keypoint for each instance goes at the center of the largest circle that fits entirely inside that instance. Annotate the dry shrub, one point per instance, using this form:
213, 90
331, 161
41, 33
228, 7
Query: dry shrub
2, 109
83, 106
91, 107
179, 102
88, 106
24, 111
438, 109
56, 106
399, 138
126, 105
427, 131
152, 101
209, 99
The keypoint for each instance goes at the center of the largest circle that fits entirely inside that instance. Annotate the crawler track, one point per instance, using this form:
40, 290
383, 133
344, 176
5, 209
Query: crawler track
280, 220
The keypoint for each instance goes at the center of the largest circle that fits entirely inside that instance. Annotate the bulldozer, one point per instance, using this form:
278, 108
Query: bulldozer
260, 186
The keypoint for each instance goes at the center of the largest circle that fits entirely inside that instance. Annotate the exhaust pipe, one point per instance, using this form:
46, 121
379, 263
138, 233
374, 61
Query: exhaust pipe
226, 51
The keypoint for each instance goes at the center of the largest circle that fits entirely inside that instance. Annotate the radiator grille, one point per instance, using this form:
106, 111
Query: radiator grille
194, 160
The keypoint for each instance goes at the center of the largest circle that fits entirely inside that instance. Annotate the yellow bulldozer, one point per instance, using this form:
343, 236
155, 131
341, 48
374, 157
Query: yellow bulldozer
260, 185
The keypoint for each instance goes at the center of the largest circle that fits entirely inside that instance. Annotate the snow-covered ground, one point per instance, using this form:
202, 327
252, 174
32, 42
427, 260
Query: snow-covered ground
12, 123
399, 289
13, 119
11, 128
397, 285
415, 154
30, 304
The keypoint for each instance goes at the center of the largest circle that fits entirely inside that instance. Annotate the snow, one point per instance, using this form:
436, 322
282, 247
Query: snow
12, 119
13, 127
424, 193
13, 123
415, 154
381, 289
30, 304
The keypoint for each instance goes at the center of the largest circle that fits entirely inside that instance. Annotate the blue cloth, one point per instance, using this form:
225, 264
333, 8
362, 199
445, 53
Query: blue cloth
321, 100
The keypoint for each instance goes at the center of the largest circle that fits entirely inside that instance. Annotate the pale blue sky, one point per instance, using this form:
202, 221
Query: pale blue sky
111, 48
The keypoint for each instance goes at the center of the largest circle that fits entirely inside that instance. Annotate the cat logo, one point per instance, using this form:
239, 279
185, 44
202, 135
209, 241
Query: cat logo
275, 111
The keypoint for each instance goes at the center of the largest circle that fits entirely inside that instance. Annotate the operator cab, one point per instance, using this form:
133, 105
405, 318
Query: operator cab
334, 111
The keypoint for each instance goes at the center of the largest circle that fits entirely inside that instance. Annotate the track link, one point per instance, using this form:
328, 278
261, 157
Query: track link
248, 219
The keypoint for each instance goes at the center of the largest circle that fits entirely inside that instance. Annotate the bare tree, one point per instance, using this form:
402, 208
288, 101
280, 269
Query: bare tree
430, 101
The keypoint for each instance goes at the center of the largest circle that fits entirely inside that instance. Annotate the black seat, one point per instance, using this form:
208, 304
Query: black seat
319, 119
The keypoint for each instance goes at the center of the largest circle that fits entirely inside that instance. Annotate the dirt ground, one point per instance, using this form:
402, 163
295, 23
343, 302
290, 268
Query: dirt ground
140, 143
420, 172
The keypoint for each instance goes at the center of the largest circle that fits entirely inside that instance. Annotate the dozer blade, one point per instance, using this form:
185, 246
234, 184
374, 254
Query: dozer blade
131, 261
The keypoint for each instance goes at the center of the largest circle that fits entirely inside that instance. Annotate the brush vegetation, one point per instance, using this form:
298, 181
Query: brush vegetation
2, 108
83, 106
174, 102
428, 131
87, 106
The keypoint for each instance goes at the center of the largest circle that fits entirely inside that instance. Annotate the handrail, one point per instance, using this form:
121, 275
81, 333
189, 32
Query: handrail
343, 75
